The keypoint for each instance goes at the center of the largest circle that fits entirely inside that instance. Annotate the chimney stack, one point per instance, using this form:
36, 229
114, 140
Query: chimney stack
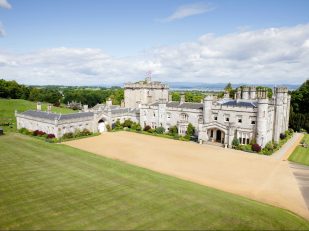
38, 106
49, 107
182, 98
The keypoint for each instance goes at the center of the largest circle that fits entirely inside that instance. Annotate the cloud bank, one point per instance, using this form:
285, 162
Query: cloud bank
187, 11
273, 55
5, 4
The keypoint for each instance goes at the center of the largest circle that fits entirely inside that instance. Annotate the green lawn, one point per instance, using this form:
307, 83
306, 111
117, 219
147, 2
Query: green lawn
8, 107
53, 186
301, 154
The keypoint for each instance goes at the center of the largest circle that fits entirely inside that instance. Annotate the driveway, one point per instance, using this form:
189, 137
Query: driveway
254, 176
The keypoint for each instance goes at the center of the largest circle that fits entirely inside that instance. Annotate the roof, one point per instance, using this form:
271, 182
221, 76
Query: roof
55, 116
186, 105
238, 103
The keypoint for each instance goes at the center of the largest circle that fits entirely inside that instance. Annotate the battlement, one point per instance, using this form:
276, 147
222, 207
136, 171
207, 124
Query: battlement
281, 90
146, 84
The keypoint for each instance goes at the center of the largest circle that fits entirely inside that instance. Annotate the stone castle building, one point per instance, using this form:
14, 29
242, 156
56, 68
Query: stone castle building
250, 115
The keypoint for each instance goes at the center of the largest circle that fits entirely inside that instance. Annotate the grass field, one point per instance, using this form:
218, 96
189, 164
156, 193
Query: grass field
301, 154
8, 107
53, 186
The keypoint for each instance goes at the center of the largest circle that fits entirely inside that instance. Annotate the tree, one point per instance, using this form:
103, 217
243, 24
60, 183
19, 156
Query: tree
228, 87
190, 130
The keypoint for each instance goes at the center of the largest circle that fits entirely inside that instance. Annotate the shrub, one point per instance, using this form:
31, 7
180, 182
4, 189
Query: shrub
50, 136
118, 125
85, 132
256, 148
138, 127
147, 128
68, 135
173, 130
108, 127
38, 133
269, 146
235, 142
127, 123
160, 130
247, 147
190, 130
282, 136
25, 131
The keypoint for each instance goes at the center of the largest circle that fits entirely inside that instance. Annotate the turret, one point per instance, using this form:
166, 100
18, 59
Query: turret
281, 98
252, 92
207, 108
262, 116
245, 93
162, 113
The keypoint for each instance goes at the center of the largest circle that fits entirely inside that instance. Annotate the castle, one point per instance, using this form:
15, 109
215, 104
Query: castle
250, 115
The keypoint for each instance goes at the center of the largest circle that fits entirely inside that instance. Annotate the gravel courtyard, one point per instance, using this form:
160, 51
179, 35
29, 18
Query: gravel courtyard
255, 176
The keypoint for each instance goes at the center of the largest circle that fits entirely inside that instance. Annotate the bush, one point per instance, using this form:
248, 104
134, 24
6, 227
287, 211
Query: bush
85, 132
25, 131
50, 136
127, 123
68, 135
247, 147
147, 128
269, 146
173, 130
38, 133
118, 125
138, 128
160, 130
282, 136
235, 142
256, 148
108, 127
190, 130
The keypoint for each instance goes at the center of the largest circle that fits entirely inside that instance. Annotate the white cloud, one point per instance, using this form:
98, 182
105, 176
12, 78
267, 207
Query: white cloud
188, 10
5, 4
273, 55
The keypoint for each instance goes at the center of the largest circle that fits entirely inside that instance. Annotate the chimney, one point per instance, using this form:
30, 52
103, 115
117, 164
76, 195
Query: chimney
182, 98
49, 107
170, 97
109, 102
85, 108
38, 106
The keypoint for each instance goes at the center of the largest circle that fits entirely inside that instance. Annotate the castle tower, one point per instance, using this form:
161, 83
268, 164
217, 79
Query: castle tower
162, 113
262, 115
252, 92
238, 93
279, 119
245, 92
207, 108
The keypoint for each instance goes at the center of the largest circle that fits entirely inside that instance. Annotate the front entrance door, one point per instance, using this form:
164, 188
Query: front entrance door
219, 134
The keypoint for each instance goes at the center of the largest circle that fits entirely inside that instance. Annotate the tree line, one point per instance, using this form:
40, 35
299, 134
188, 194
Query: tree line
57, 95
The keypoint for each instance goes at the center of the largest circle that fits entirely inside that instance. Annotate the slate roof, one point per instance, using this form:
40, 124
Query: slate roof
56, 116
186, 105
237, 103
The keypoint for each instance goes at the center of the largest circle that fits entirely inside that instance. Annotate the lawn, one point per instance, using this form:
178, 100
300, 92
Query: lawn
53, 186
301, 154
8, 107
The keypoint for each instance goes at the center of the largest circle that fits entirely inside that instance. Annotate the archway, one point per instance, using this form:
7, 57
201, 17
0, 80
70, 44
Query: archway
219, 134
101, 126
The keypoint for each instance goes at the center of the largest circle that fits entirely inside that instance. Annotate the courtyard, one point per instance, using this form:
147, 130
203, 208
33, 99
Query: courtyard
258, 177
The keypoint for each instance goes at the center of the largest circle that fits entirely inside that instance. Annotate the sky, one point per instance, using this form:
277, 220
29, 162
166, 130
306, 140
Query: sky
101, 42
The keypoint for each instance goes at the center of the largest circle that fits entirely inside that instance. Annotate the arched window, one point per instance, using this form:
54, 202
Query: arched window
184, 117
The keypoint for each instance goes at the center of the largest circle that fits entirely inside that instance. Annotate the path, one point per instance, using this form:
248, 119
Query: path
255, 176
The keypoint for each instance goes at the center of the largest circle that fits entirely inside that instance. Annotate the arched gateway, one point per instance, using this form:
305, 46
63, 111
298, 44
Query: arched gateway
102, 126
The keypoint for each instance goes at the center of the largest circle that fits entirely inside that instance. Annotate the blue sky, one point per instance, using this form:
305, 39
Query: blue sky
139, 35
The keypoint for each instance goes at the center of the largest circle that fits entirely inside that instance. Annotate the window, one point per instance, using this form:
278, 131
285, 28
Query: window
154, 114
227, 119
248, 141
184, 117
168, 115
200, 119
252, 121
239, 120
244, 140
216, 118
